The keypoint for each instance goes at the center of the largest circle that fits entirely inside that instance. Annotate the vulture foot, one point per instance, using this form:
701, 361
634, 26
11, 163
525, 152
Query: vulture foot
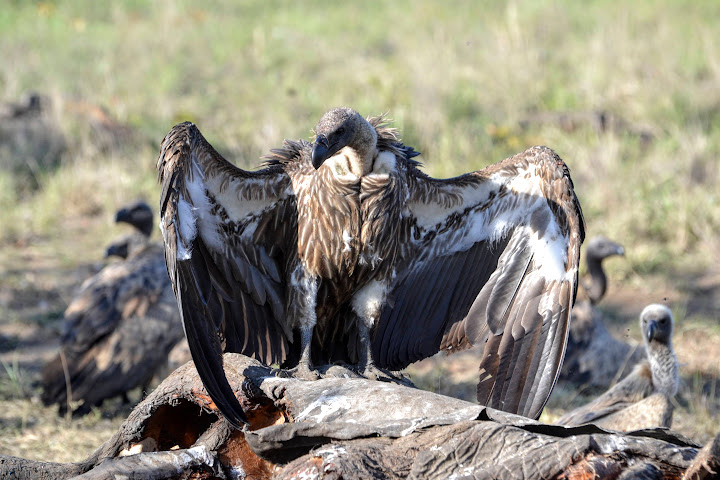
303, 371
372, 372
82, 410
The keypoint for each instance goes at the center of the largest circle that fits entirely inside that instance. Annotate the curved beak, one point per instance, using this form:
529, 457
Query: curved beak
651, 328
116, 251
320, 151
122, 215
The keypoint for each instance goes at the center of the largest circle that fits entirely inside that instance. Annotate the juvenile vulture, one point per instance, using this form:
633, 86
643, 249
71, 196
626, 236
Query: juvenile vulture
118, 330
342, 250
594, 357
643, 398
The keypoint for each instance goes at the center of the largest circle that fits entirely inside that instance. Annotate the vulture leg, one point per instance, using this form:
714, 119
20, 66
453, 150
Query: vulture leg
367, 305
303, 301
305, 368
366, 367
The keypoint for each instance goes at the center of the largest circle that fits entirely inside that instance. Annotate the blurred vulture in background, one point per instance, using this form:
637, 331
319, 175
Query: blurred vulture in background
643, 398
119, 328
140, 216
344, 251
594, 358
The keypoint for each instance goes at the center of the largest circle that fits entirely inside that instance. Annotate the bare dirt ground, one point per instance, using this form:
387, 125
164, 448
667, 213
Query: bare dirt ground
36, 285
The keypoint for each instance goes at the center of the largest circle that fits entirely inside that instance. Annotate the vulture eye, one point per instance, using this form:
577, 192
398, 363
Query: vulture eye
341, 131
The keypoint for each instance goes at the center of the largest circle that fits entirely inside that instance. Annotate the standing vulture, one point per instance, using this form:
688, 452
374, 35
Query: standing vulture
643, 398
342, 250
118, 329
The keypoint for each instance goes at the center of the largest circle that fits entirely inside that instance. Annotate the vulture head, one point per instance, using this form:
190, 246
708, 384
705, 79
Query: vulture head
656, 322
127, 246
139, 215
598, 249
344, 128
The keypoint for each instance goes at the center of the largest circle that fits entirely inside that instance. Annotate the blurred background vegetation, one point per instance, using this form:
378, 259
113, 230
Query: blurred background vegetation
628, 93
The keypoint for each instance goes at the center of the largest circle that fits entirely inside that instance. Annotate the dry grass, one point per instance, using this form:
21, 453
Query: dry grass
465, 82
29, 430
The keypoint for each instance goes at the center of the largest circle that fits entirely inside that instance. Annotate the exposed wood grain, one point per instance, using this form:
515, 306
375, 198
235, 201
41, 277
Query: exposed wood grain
346, 427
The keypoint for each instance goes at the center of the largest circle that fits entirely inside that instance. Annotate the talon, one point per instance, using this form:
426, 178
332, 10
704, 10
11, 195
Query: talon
302, 372
371, 372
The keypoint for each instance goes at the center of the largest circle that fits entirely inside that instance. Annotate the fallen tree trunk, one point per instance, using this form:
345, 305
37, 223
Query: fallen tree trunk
347, 427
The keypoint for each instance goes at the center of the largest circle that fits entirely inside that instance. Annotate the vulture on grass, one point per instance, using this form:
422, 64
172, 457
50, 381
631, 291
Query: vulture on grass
342, 250
118, 329
643, 398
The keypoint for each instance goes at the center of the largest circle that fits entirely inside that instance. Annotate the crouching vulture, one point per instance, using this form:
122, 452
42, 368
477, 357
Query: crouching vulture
643, 399
120, 326
343, 250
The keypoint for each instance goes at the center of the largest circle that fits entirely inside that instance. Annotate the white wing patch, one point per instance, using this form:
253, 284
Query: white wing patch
524, 182
428, 214
187, 230
525, 208
206, 221
551, 252
238, 208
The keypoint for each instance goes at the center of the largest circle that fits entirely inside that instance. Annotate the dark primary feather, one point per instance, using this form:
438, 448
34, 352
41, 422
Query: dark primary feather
485, 260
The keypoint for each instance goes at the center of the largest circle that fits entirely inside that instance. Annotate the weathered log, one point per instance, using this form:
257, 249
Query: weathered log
347, 427
22, 469
706, 464
153, 465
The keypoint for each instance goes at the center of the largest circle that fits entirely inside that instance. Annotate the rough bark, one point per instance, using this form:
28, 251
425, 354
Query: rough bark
22, 469
706, 464
347, 427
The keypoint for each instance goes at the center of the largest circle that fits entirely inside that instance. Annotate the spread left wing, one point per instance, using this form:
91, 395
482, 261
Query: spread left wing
490, 260
228, 234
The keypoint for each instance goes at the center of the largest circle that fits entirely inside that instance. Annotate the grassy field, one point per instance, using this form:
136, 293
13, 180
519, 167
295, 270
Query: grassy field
627, 93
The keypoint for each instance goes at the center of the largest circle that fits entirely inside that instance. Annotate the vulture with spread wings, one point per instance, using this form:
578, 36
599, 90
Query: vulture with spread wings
342, 250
